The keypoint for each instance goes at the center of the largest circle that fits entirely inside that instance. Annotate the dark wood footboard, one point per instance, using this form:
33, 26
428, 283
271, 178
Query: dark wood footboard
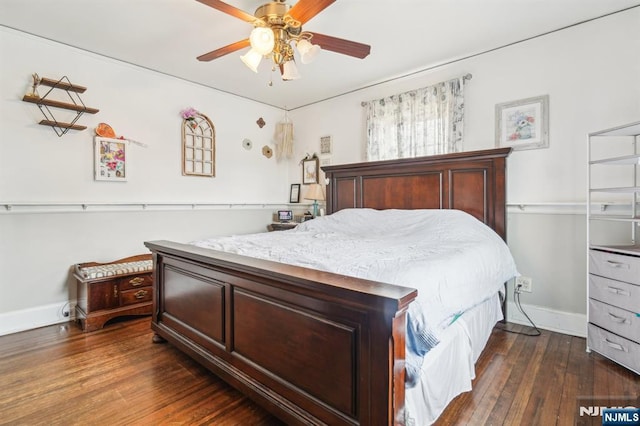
311, 347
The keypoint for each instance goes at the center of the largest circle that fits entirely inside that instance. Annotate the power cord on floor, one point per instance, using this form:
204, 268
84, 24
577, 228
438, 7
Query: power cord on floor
516, 299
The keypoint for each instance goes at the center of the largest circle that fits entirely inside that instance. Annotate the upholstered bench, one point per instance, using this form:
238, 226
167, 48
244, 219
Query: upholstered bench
113, 289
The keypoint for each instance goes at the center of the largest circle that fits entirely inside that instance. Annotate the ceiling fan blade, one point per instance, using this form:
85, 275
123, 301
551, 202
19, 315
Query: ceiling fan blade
339, 45
215, 54
304, 10
228, 9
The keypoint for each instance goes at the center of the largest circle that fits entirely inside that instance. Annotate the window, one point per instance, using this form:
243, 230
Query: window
425, 121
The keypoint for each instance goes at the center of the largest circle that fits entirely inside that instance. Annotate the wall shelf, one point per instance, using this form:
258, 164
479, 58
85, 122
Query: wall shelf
62, 125
62, 85
75, 104
59, 104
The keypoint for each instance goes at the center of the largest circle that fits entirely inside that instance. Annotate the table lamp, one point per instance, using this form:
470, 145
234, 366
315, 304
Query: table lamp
316, 194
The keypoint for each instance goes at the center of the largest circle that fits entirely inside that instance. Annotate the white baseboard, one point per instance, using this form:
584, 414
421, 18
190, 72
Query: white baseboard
40, 316
549, 319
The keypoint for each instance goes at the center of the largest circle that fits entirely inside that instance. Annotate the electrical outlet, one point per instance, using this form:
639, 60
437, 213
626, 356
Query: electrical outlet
67, 311
524, 284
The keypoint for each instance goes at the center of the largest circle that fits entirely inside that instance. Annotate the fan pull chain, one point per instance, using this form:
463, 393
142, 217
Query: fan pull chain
273, 69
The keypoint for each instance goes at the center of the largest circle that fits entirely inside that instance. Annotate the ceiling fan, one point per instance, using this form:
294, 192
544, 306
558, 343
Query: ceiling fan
277, 29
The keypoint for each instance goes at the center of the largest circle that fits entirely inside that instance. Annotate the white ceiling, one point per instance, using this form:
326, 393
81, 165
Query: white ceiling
405, 36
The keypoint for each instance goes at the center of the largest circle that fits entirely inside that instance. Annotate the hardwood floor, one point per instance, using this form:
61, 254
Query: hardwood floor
116, 376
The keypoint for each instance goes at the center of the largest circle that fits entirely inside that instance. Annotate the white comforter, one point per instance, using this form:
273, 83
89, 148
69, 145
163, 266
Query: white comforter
451, 258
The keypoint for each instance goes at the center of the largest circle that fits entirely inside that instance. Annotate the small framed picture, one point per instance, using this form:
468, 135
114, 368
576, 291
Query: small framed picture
310, 171
110, 159
523, 124
294, 194
325, 145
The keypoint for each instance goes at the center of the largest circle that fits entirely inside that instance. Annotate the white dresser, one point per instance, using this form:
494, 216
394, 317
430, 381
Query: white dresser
613, 219
614, 304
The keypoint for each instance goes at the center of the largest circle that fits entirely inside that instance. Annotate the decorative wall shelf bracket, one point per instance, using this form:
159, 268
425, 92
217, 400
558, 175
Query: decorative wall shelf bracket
44, 102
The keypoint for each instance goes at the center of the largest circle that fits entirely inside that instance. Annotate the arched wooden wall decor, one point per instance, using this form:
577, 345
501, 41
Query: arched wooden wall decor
198, 146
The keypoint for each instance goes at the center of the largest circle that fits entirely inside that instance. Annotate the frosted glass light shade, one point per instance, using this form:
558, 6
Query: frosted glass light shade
308, 51
262, 40
252, 59
290, 71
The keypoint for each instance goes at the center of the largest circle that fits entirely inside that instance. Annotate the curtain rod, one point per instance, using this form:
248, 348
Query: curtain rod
465, 77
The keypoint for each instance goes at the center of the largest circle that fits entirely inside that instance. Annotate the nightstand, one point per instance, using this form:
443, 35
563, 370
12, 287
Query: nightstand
281, 226
113, 289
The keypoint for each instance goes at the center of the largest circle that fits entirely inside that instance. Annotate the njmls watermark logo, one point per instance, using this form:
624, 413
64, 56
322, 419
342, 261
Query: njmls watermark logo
609, 411
621, 416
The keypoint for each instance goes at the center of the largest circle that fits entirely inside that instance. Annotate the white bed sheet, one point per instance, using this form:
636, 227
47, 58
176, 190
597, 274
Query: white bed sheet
449, 368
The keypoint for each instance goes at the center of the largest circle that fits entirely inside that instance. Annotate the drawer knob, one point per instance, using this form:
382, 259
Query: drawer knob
615, 290
615, 318
615, 345
140, 294
618, 265
137, 281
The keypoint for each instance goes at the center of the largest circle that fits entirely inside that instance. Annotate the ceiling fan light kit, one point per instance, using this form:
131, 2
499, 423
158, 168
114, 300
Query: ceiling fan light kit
277, 30
252, 59
290, 71
308, 51
262, 40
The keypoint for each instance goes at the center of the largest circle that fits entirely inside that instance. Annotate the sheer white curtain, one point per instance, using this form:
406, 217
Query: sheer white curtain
425, 121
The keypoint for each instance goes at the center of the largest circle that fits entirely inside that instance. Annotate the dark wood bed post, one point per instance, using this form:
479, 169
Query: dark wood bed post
310, 346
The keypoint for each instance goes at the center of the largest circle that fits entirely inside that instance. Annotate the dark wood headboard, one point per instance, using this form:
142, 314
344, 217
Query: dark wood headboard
470, 181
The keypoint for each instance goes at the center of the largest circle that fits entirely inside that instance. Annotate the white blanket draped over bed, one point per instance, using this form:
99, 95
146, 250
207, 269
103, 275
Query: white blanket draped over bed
452, 259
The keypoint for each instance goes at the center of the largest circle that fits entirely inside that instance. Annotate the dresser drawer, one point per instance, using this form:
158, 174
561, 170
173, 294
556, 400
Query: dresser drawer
140, 295
129, 283
611, 318
617, 293
619, 349
616, 266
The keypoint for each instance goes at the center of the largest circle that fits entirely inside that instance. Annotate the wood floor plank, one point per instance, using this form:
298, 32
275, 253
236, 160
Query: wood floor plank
547, 389
116, 376
518, 367
578, 382
532, 362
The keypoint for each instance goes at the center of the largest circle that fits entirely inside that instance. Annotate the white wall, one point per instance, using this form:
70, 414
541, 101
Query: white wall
591, 73
39, 243
142, 105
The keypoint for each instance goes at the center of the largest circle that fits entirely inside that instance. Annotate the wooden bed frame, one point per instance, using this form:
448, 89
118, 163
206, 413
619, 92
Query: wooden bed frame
314, 347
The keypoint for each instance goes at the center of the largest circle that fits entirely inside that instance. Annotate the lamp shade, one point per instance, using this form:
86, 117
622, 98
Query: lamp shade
252, 59
262, 40
290, 71
315, 192
308, 51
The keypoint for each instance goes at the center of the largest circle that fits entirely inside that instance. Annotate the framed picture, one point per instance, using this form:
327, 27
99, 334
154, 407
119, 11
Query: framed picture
310, 171
523, 124
325, 145
294, 195
110, 159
